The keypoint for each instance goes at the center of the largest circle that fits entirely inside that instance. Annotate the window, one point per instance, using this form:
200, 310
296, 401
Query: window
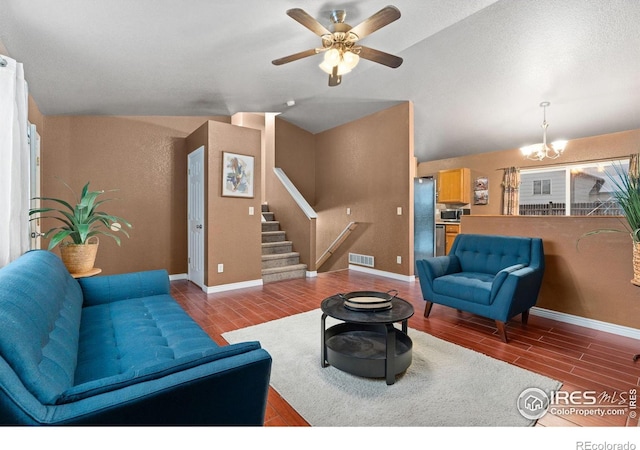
541, 187
578, 190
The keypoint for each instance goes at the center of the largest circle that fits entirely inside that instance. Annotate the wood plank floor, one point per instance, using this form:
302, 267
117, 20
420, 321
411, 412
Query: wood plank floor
581, 358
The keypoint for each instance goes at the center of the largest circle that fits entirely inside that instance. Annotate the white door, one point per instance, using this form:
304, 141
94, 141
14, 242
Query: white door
34, 187
195, 216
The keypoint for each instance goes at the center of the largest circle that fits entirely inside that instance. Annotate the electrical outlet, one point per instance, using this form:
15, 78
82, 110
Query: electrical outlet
348, 211
251, 210
399, 210
220, 268
399, 259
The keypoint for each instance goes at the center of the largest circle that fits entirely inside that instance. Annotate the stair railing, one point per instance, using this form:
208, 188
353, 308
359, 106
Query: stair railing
295, 193
335, 244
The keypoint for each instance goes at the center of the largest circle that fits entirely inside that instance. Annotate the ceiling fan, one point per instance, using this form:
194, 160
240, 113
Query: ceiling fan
341, 47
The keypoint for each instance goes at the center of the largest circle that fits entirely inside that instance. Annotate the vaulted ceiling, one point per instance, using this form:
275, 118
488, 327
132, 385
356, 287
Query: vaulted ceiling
475, 70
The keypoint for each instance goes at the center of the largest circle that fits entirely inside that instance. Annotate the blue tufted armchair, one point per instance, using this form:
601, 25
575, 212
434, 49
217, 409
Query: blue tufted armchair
497, 277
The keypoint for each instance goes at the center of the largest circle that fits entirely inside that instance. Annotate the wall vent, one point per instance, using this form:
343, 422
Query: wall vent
361, 260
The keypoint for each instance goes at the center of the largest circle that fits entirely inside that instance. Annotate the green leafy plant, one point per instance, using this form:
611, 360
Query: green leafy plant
81, 221
627, 194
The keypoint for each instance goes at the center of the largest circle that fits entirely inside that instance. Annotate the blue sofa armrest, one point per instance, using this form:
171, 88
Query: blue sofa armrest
111, 288
501, 277
230, 391
431, 268
227, 391
518, 292
439, 266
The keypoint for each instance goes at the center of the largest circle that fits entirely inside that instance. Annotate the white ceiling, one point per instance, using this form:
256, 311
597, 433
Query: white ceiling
476, 70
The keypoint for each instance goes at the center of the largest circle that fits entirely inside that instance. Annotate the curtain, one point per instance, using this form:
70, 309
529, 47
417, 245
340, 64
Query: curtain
634, 165
511, 185
14, 162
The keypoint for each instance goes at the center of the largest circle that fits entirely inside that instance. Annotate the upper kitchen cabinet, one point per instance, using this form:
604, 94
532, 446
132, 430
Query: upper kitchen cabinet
454, 186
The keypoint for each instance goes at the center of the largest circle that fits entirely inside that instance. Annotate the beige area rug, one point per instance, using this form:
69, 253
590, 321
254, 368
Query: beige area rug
446, 385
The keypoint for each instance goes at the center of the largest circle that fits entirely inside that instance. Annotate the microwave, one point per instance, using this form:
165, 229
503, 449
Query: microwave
454, 215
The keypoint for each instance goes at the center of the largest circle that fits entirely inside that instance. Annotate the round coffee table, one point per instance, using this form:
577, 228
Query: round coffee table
367, 343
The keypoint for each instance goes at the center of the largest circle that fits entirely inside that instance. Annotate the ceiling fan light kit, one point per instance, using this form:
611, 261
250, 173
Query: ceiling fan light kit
341, 51
538, 152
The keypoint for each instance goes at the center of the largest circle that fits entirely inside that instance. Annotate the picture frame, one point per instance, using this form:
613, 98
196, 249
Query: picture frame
481, 191
237, 175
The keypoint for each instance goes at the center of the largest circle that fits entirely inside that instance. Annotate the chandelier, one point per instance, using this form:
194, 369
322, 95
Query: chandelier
342, 55
538, 152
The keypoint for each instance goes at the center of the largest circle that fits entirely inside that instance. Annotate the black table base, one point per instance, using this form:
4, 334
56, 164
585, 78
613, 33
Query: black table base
372, 351
367, 344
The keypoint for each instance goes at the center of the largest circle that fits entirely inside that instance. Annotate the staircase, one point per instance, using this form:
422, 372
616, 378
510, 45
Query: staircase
279, 262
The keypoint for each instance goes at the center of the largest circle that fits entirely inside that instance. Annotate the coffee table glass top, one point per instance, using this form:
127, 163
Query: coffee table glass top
400, 310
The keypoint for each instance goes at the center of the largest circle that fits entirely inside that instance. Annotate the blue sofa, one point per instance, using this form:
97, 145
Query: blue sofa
116, 350
497, 277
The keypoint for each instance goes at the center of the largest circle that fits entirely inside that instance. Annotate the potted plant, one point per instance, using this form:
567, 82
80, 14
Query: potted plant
81, 224
627, 194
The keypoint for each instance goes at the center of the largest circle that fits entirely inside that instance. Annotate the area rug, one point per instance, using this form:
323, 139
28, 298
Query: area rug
446, 385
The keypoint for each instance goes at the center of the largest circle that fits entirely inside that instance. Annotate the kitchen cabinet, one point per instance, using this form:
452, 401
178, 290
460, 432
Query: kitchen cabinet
454, 186
451, 230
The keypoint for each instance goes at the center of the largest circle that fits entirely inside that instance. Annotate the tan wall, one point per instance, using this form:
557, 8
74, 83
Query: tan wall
591, 280
145, 159
234, 238
296, 150
367, 165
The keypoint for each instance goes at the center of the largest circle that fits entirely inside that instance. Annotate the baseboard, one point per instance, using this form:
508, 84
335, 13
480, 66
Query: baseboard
395, 276
178, 276
312, 274
612, 328
232, 286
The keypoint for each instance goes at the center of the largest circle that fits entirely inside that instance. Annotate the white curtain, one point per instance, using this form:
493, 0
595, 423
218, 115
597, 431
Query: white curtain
14, 161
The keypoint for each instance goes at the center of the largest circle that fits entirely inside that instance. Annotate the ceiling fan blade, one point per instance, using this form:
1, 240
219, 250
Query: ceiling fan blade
380, 57
380, 19
306, 20
334, 78
294, 57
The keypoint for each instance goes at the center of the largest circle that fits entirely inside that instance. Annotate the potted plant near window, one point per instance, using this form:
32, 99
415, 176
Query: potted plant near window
627, 194
81, 224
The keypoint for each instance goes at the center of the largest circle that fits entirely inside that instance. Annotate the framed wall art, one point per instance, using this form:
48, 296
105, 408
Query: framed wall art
481, 191
237, 175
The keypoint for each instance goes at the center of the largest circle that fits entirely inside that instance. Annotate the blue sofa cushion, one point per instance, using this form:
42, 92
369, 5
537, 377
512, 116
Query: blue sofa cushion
470, 286
40, 308
490, 254
131, 335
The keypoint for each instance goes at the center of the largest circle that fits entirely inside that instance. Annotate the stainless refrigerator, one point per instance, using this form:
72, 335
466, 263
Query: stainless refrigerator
424, 218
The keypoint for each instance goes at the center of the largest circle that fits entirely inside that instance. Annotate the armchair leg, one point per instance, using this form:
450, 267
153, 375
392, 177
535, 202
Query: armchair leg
427, 308
502, 330
525, 316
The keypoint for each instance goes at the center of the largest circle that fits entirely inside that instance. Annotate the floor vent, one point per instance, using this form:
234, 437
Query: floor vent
361, 260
